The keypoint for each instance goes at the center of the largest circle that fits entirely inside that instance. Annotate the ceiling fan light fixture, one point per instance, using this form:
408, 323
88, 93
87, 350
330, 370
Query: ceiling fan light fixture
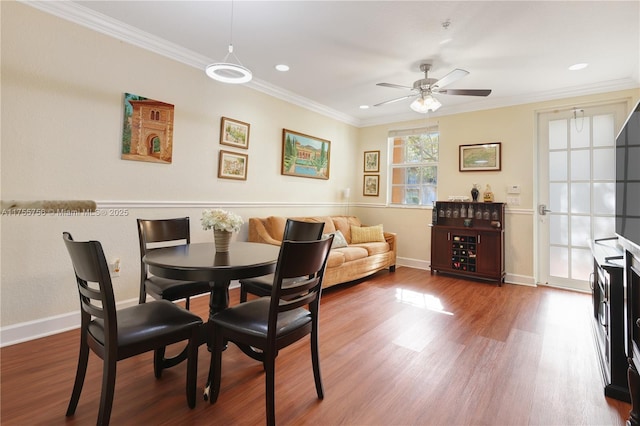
424, 104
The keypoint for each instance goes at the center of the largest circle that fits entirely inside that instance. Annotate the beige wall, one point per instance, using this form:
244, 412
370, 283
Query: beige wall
62, 94
514, 127
62, 88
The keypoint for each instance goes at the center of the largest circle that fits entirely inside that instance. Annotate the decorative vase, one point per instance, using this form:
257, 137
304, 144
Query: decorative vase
475, 192
488, 194
222, 239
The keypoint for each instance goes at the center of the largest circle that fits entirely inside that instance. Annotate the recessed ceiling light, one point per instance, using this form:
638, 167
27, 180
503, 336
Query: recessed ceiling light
364, 106
580, 66
282, 67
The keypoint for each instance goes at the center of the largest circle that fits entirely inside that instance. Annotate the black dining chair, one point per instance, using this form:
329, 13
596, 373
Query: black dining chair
272, 323
116, 335
156, 233
294, 230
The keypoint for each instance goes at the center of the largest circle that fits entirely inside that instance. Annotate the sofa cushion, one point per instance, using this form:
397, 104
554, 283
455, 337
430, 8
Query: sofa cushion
344, 223
276, 226
336, 258
338, 239
328, 222
352, 253
366, 234
374, 248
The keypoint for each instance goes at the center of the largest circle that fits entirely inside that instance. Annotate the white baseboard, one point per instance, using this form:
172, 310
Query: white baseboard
426, 265
31, 330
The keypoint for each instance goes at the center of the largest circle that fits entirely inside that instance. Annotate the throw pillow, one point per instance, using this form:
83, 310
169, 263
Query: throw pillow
367, 234
338, 239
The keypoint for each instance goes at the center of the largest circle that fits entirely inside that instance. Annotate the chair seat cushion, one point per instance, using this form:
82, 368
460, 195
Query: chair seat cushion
251, 318
142, 325
265, 283
164, 288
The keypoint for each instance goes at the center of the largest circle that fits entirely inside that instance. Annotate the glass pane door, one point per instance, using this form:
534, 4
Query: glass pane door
576, 190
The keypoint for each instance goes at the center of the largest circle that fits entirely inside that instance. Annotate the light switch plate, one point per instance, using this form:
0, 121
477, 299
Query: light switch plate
513, 189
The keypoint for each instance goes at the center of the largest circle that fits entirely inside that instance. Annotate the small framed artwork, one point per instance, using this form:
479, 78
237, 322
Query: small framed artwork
371, 161
370, 186
234, 133
481, 157
304, 155
232, 165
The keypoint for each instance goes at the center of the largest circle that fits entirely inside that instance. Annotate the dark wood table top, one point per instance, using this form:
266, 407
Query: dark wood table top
200, 262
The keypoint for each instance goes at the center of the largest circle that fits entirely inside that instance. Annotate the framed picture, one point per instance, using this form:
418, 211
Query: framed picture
371, 161
234, 133
147, 130
481, 157
370, 186
232, 165
304, 155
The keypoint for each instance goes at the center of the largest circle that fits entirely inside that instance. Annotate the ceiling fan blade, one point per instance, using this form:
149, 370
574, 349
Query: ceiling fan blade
395, 86
454, 75
395, 100
465, 92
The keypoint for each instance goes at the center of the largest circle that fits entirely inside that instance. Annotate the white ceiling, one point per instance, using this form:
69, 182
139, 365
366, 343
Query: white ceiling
339, 50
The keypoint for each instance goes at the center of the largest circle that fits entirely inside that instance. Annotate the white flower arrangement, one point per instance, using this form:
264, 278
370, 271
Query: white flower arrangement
221, 220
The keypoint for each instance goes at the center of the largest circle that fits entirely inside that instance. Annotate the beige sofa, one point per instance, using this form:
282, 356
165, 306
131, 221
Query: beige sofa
356, 260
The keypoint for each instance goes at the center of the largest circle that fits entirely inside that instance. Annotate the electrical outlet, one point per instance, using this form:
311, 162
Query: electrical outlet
514, 201
114, 268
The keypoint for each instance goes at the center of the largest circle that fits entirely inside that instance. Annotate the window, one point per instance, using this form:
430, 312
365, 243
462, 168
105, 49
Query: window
414, 166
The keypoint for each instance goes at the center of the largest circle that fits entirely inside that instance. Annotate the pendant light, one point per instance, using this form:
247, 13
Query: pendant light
229, 72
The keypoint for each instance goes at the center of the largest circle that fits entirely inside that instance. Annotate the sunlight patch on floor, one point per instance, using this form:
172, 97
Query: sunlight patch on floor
420, 300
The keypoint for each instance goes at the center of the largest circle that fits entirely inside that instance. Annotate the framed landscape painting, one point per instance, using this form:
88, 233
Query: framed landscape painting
232, 165
370, 185
371, 161
481, 157
234, 133
304, 155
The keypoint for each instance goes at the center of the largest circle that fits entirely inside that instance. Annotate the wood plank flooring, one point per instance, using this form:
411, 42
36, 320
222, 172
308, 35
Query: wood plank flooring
403, 348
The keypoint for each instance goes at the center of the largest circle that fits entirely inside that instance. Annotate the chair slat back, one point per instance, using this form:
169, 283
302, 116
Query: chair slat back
163, 230
296, 230
298, 259
93, 280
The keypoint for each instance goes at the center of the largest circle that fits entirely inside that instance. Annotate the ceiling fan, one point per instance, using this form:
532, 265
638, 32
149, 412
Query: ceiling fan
424, 89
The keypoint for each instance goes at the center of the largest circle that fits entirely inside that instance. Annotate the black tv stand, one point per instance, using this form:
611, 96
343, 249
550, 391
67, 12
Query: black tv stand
608, 318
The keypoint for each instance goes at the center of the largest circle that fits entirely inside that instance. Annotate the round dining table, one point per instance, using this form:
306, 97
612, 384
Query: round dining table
201, 262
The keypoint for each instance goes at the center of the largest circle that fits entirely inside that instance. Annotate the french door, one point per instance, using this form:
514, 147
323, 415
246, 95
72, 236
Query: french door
576, 190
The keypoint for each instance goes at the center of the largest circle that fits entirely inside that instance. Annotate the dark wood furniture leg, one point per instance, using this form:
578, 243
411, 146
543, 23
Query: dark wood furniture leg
634, 391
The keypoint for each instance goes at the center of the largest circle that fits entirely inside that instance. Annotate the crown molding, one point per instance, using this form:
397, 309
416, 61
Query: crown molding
88, 18
80, 15
502, 102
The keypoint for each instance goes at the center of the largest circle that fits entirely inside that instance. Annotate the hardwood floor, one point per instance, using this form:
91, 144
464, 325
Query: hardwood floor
403, 348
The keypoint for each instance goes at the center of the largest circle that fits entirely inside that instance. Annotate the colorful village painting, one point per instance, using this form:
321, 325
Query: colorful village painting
304, 155
147, 130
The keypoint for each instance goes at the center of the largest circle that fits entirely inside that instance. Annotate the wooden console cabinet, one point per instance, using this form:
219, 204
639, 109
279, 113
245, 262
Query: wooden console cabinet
468, 239
608, 292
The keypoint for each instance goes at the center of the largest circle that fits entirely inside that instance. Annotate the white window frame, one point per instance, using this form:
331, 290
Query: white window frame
391, 166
